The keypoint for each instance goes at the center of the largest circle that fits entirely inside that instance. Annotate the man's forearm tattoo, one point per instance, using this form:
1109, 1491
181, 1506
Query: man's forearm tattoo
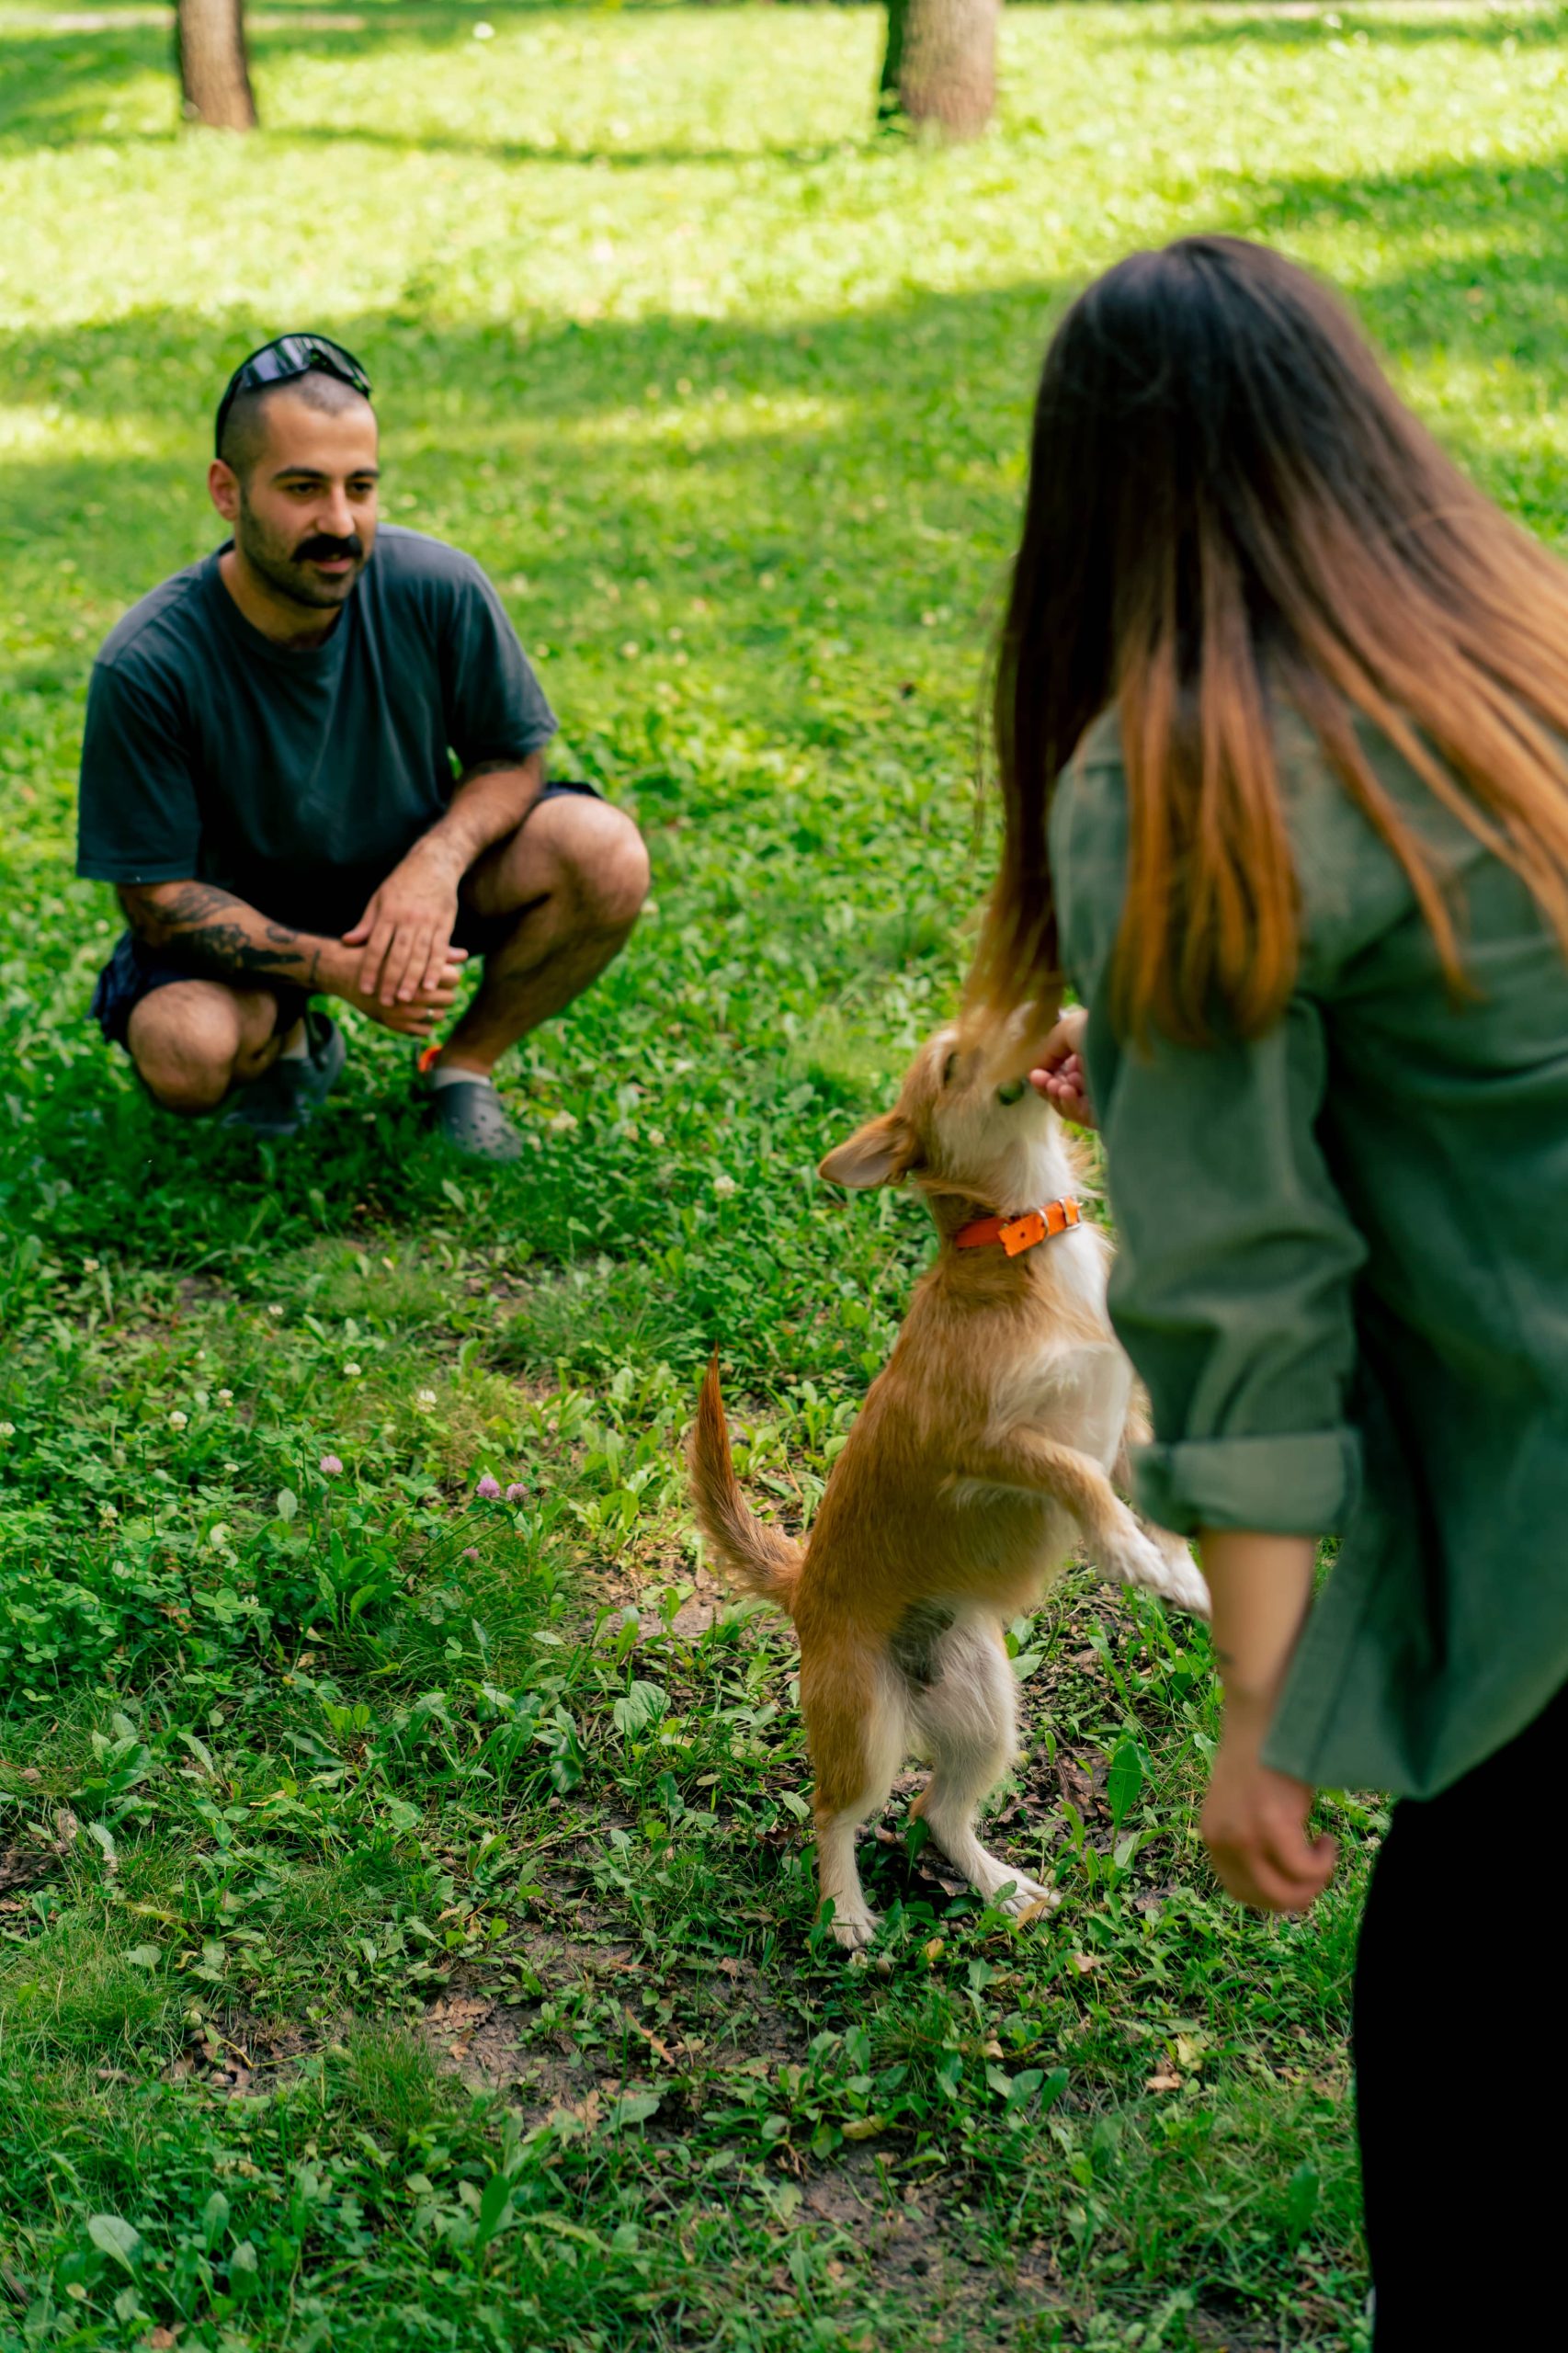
207, 926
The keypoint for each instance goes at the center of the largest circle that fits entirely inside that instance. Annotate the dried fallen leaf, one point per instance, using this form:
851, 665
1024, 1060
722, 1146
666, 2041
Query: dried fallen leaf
935, 1949
1084, 1962
585, 2112
1041, 1909
456, 2013
865, 2128
665, 2053
1166, 2081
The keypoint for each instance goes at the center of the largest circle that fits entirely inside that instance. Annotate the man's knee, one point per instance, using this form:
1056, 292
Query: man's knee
577, 856
609, 870
185, 1042
178, 1083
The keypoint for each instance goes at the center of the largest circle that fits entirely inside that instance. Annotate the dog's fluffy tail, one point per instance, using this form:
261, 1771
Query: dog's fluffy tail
763, 1559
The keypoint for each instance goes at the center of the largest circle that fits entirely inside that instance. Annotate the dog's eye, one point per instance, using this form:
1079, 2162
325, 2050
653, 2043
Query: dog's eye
1011, 1093
948, 1068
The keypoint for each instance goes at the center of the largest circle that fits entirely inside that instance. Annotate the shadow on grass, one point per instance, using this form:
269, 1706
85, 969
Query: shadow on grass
54, 86
702, 451
779, 450
58, 72
607, 158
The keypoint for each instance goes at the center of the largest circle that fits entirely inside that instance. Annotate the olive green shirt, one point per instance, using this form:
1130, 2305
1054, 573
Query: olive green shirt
1343, 1273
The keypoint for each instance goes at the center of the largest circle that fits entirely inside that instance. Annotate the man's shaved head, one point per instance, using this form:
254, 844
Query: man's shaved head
244, 427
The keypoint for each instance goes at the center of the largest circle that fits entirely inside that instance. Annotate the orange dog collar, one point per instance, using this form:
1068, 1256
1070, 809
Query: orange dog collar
1016, 1234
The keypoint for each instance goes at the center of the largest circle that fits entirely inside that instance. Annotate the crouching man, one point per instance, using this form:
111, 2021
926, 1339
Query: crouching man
313, 765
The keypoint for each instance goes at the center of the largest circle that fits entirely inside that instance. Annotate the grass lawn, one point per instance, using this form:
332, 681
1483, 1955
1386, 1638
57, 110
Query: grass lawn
405, 1924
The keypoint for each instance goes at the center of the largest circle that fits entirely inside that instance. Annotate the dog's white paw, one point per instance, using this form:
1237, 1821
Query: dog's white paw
1018, 1894
1135, 1559
999, 1884
856, 1930
1183, 1585
1160, 1564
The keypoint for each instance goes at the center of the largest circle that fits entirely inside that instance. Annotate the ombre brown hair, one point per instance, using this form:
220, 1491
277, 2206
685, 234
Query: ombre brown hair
1228, 506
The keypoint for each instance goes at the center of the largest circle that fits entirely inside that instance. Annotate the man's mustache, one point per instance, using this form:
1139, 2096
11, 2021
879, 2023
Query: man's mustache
319, 549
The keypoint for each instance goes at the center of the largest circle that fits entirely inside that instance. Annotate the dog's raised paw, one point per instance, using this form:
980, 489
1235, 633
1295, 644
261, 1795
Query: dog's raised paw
1136, 1559
1184, 1587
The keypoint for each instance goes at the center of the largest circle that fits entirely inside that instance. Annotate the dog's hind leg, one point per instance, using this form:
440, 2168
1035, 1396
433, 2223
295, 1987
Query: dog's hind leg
965, 1715
856, 1726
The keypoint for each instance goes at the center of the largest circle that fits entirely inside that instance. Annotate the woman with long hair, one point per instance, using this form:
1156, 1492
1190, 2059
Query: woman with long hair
1280, 711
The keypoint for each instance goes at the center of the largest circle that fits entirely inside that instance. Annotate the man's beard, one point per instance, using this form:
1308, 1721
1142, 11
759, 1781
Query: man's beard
286, 568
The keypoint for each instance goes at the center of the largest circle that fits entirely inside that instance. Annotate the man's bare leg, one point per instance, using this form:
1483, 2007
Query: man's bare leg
193, 1040
575, 875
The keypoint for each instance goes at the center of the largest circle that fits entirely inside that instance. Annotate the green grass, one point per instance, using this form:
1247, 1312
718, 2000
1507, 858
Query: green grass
405, 1932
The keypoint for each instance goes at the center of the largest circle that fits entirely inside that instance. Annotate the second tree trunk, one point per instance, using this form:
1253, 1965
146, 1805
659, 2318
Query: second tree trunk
214, 73
940, 65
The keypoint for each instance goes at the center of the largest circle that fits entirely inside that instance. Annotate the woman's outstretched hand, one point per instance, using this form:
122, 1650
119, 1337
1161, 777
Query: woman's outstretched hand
1254, 1820
1059, 1074
1254, 1823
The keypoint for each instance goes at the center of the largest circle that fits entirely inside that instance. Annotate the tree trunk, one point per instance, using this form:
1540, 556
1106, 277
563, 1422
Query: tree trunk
214, 72
939, 68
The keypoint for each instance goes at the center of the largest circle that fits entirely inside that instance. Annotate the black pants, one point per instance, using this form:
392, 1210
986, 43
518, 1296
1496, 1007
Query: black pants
1460, 1980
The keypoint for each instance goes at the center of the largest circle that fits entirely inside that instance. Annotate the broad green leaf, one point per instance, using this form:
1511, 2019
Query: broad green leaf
1300, 2201
1050, 2091
1125, 1779
494, 2199
642, 1705
115, 2237
214, 2220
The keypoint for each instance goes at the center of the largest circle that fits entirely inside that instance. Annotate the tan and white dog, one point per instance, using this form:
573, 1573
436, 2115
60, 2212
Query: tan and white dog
984, 1452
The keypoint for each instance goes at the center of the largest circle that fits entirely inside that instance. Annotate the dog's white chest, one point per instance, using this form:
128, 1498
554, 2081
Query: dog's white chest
1077, 1393
1081, 1266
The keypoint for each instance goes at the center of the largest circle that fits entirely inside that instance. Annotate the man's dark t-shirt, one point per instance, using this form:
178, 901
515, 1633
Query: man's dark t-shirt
298, 779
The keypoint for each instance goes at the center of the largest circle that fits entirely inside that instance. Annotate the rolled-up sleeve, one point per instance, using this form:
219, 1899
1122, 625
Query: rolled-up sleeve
1233, 1287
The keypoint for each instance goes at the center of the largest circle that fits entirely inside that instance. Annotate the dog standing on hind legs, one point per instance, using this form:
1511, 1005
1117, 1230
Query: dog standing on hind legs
983, 1450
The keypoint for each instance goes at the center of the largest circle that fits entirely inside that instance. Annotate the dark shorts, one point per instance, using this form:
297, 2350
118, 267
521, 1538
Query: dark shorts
135, 970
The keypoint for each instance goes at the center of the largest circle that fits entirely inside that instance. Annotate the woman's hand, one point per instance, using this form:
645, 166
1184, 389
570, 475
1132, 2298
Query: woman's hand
1255, 1822
1059, 1074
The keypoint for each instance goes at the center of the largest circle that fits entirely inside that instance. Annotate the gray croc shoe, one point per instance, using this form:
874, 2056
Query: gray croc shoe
286, 1097
466, 1115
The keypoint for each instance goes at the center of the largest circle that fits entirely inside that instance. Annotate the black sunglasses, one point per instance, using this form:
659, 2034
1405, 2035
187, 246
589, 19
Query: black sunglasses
279, 362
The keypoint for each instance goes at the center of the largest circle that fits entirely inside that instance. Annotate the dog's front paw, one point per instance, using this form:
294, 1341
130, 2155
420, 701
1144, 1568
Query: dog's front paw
1160, 1564
855, 1928
1135, 1559
1184, 1587
1025, 1894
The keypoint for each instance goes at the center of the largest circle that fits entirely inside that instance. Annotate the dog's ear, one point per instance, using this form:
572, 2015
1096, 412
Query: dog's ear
879, 1153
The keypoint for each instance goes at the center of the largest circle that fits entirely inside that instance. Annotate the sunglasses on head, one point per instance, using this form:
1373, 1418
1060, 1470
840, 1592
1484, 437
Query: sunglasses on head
279, 362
